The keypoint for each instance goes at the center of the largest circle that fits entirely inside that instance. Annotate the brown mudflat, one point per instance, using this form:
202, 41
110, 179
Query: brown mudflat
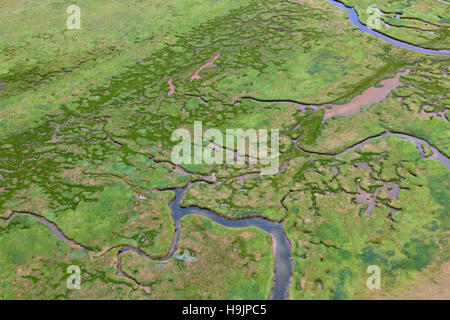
172, 87
209, 63
369, 96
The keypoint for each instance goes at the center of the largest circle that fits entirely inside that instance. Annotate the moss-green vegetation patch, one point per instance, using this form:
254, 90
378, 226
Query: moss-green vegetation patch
212, 262
86, 123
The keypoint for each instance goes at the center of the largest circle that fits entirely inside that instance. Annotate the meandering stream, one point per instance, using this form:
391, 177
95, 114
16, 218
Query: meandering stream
437, 155
354, 19
281, 245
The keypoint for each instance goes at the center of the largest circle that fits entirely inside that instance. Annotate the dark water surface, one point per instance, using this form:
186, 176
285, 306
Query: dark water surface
354, 19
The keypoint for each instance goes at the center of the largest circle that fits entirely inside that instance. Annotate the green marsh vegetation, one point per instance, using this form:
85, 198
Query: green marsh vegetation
87, 149
242, 258
424, 23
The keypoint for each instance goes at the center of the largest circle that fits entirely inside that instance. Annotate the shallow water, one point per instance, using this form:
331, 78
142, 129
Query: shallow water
280, 243
370, 96
52, 227
437, 155
354, 19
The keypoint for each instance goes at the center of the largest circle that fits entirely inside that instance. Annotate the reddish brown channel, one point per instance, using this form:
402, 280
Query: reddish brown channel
171, 86
209, 63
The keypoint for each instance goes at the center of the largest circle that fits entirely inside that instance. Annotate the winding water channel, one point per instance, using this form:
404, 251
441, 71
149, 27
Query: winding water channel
354, 19
280, 243
437, 155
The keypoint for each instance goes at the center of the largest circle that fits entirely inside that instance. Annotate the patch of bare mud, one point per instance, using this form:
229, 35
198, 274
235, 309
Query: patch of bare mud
171, 86
392, 189
196, 75
370, 96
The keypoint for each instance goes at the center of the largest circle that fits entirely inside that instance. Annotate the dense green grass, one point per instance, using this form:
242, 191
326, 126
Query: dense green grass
78, 148
226, 264
43, 65
424, 23
425, 85
336, 245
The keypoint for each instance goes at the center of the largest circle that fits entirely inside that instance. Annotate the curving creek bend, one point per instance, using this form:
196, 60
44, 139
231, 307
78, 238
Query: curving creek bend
354, 19
280, 243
